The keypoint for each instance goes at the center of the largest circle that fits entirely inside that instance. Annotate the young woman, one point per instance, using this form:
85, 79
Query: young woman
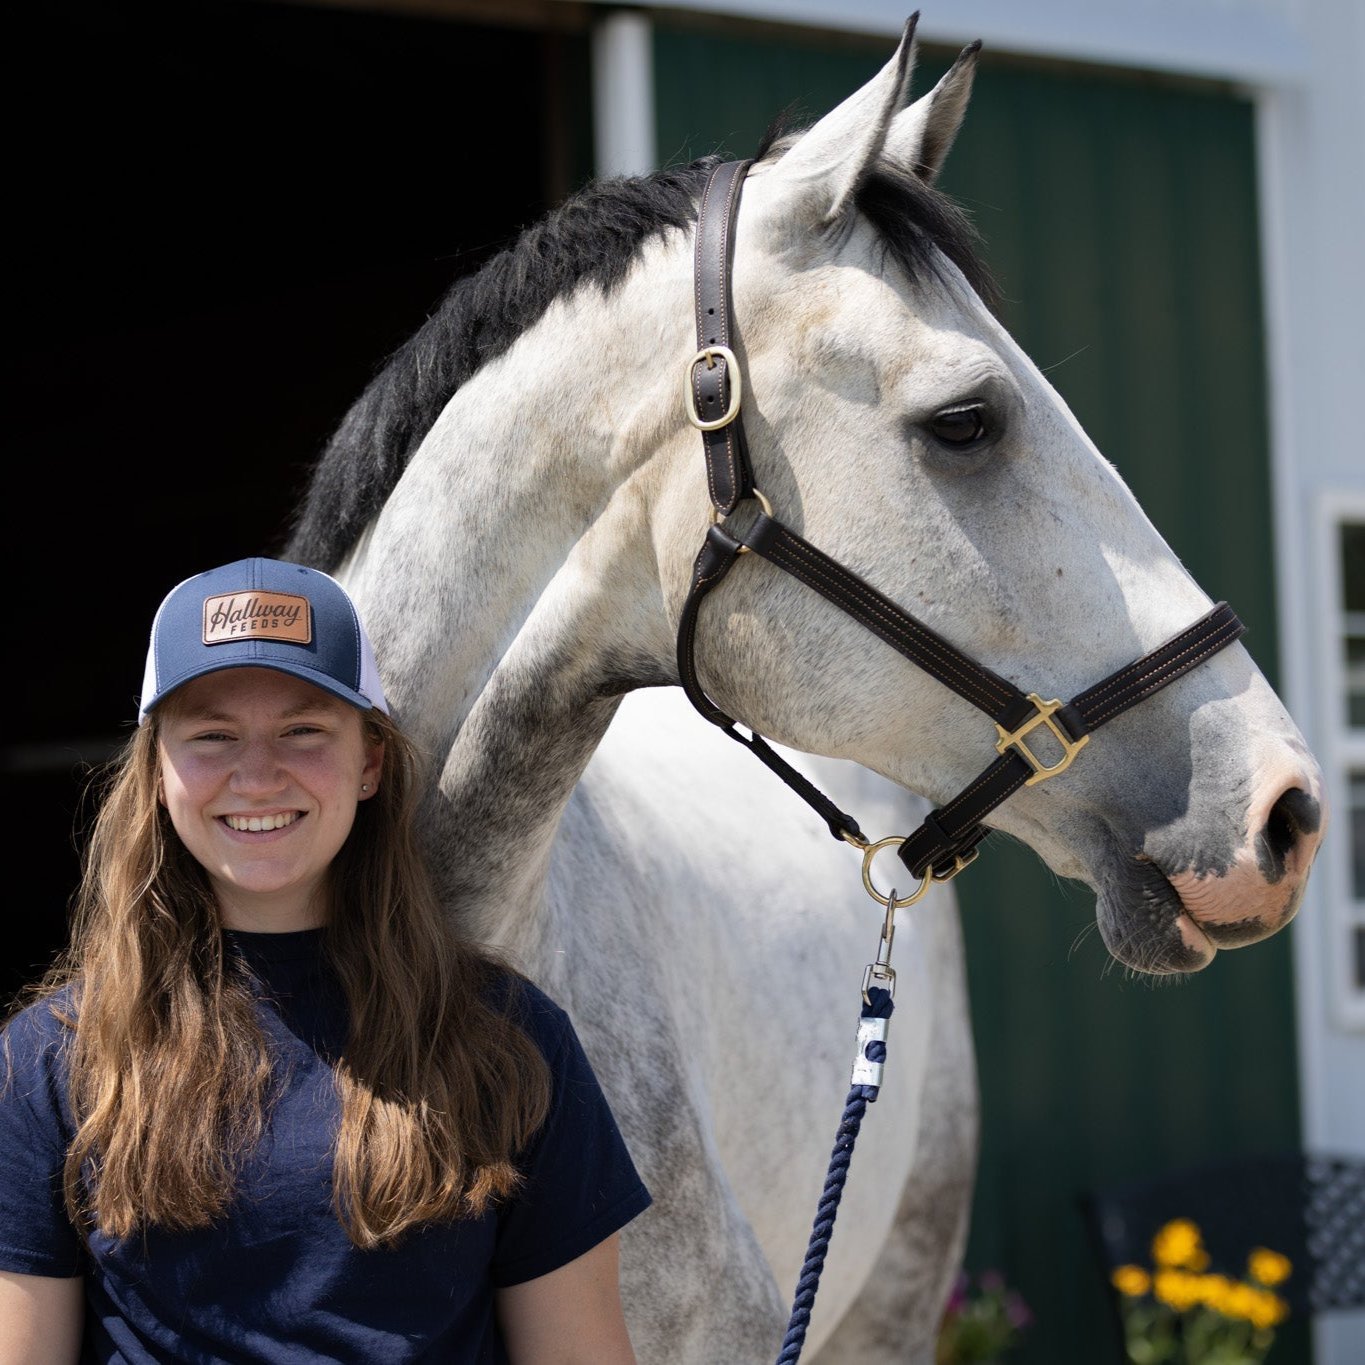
268, 1107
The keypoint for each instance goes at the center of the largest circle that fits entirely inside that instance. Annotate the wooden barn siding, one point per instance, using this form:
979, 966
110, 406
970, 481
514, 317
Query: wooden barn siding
1120, 218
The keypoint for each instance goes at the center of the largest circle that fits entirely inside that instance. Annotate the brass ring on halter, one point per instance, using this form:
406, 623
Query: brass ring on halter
710, 354
718, 520
870, 852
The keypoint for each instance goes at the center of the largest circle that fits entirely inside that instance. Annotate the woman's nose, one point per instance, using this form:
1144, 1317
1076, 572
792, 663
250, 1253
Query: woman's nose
258, 768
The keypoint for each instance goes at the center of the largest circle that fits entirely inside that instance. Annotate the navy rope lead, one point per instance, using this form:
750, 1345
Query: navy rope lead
867, 1079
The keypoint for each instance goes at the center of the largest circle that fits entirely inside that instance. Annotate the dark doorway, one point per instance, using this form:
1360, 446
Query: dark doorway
229, 214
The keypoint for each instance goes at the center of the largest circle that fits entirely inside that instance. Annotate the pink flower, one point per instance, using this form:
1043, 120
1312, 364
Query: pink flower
957, 1300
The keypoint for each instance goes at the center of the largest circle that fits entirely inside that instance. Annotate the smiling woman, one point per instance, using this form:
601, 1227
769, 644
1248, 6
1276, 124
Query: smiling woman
259, 774
269, 1102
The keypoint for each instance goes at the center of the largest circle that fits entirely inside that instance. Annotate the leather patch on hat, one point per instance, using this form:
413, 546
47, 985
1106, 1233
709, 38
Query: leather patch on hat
249, 615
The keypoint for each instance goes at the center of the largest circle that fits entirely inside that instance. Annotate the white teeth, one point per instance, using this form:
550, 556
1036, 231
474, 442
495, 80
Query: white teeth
260, 822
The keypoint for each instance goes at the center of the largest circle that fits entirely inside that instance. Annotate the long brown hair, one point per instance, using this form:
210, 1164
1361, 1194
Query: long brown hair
170, 1079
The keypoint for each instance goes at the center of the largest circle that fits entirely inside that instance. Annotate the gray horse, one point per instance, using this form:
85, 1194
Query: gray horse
516, 503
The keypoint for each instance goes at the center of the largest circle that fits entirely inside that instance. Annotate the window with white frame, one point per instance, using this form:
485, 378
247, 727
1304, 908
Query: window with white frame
1343, 545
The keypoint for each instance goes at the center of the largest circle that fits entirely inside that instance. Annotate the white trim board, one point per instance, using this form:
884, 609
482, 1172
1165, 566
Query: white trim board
1235, 40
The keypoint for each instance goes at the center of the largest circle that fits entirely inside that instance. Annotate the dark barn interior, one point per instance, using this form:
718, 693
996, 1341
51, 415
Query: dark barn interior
229, 214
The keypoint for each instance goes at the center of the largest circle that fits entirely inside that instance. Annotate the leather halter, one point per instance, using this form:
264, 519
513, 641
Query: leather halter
947, 839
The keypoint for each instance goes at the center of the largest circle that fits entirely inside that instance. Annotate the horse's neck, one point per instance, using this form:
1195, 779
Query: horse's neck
519, 468
523, 748
510, 583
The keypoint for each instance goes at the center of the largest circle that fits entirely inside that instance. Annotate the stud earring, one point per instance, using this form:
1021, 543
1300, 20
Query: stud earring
364, 786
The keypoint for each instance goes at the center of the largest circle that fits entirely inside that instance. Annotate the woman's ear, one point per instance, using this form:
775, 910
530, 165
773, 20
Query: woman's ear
374, 765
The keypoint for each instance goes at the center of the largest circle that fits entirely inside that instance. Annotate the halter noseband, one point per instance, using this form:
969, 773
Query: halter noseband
947, 839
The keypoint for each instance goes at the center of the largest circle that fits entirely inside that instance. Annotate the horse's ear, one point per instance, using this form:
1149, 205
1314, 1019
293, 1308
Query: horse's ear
921, 135
830, 160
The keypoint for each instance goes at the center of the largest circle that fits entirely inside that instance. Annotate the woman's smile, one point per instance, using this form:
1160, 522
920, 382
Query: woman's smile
252, 823
262, 774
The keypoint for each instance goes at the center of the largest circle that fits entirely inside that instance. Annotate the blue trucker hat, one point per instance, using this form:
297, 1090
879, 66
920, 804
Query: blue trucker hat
261, 613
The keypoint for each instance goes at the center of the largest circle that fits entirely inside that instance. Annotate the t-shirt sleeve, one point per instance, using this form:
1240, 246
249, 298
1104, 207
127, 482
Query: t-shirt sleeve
36, 1237
581, 1184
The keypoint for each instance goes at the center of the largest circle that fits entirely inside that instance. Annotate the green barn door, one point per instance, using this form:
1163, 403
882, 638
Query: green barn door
1119, 216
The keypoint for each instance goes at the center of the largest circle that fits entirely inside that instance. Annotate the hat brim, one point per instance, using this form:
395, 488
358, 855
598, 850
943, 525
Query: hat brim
324, 682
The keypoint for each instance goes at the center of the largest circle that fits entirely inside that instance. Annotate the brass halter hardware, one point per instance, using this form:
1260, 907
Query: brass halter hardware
710, 354
892, 902
718, 520
1014, 739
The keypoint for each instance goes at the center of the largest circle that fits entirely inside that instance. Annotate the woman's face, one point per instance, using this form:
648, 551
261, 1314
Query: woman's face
261, 773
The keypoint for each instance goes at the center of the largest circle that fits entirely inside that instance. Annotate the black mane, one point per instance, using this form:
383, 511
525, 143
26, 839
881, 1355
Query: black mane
592, 238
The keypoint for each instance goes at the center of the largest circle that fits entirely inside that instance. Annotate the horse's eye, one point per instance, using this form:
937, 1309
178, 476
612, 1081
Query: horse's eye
959, 426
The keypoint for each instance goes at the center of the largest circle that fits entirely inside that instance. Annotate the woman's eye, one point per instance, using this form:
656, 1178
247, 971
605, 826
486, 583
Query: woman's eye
959, 426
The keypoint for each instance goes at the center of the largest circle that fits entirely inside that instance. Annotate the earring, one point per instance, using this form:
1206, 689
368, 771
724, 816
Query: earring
364, 786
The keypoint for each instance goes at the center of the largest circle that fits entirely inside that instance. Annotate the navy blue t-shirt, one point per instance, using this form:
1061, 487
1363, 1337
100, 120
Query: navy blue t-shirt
277, 1279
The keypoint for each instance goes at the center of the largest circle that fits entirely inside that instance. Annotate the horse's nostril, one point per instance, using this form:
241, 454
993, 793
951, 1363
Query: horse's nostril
1292, 816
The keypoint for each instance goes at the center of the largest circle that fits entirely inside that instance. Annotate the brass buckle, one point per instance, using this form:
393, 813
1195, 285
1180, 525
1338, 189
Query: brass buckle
1014, 739
709, 354
960, 860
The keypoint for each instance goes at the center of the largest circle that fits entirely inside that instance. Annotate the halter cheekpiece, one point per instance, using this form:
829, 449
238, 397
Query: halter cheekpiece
947, 840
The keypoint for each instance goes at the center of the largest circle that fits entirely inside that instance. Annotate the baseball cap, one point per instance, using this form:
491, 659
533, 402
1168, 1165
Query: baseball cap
261, 613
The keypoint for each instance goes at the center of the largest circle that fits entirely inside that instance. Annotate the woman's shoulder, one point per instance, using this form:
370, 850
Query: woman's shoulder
515, 993
44, 1020
538, 1014
32, 1039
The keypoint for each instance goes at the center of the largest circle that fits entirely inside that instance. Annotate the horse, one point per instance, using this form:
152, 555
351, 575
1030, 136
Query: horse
516, 501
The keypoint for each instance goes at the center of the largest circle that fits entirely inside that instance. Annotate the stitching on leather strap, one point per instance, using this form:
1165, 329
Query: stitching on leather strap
902, 626
965, 795
736, 179
1174, 664
1127, 675
1121, 704
699, 312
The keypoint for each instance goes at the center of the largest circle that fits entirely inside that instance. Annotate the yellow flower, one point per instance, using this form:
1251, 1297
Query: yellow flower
1180, 1245
1268, 1309
1268, 1267
1242, 1301
1177, 1289
1218, 1292
1131, 1281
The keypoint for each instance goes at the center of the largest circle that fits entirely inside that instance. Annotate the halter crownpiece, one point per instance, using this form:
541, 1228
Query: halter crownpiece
947, 840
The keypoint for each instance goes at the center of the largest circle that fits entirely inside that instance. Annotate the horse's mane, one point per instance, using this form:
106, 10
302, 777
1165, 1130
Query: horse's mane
593, 237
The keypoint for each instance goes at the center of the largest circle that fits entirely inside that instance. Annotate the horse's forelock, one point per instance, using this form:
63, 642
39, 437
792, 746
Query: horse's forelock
921, 224
915, 220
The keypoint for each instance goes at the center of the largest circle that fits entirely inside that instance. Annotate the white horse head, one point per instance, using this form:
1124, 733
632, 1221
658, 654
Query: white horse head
894, 423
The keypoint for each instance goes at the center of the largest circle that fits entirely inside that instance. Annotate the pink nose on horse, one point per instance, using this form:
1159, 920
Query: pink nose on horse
1259, 892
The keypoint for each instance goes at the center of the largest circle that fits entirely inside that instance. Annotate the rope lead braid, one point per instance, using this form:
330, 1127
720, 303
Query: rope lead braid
878, 1005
